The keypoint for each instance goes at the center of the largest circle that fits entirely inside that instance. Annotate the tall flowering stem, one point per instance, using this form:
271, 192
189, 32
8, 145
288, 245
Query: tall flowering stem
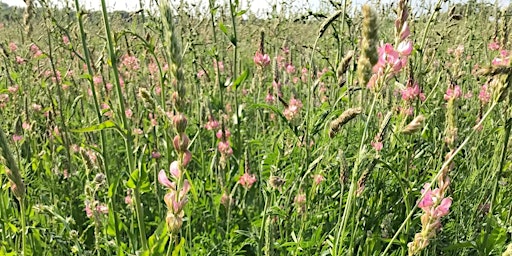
128, 138
178, 187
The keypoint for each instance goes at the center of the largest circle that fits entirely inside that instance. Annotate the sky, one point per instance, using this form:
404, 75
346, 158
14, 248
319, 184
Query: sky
257, 6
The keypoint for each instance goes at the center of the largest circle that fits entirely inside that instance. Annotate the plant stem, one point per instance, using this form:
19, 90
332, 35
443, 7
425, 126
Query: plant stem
126, 125
108, 175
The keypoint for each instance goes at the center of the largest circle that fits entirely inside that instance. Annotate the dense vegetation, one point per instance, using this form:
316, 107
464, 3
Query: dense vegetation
378, 130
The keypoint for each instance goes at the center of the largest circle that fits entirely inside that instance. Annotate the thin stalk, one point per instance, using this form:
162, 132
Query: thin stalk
126, 125
355, 170
65, 136
108, 175
23, 227
508, 126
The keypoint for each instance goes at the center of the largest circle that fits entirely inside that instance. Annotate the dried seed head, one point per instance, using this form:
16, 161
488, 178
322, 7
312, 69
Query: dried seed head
276, 182
343, 66
369, 40
328, 22
414, 126
344, 118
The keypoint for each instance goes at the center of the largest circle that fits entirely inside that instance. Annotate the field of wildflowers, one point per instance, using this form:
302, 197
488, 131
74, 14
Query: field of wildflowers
355, 130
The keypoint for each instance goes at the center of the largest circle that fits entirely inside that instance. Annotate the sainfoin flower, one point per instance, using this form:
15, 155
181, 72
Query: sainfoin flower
484, 94
293, 109
176, 197
434, 206
247, 180
494, 46
261, 60
453, 92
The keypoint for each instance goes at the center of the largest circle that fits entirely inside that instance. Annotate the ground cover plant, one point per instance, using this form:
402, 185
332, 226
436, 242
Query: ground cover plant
208, 130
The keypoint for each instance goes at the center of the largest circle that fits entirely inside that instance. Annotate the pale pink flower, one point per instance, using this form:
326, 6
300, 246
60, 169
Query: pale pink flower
494, 46
261, 60
224, 148
269, 98
453, 92
484, 96
65, 39
152, 68
109, 87
405, 48
444, 208
200, 73
223, 135
26, 126
247, 180
13, 89
218, 65
128, 113
97, 80
20, 60
459, 50
318, 178
212, 124
35, 107
290, 69
377, 145
88, 210
17, 138
411, 92
13, 47
406, 31
130, 62
300, 199
102, 208
162, 179
174, 170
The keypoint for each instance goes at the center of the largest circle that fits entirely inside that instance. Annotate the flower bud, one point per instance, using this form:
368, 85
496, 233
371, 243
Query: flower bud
181, 142
180, 123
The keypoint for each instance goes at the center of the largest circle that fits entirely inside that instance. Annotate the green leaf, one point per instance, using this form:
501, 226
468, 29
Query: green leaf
240, 79
139, 179
240, 13
97, 127
178, 247
223, 28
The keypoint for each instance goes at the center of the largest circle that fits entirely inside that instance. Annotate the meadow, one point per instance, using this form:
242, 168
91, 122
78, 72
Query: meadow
353, 130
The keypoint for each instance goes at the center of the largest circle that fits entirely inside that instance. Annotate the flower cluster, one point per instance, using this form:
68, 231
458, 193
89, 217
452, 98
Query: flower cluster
212, 124
261, 60
392, 59
131, 62
176, 197
412, 92
452, 92
224, 147
434, 206
293, 109
247, 180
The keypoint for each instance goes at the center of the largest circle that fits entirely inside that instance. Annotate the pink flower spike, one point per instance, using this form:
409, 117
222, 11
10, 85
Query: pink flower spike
162, 178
